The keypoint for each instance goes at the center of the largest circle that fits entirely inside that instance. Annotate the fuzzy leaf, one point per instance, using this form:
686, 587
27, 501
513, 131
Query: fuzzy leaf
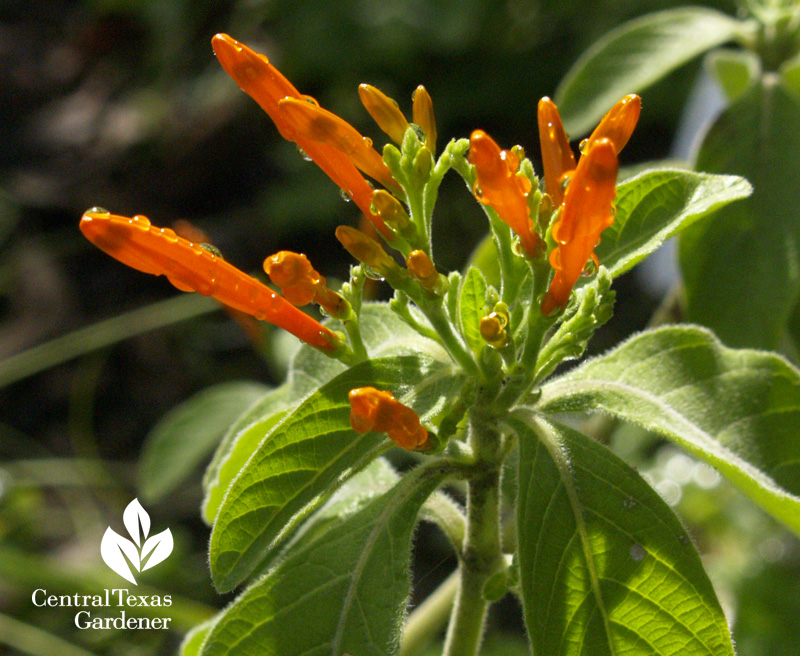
635, 55
344, 592
471, 307
655, 205
741, 268
298, 463
605, 566
738, 410
187, 434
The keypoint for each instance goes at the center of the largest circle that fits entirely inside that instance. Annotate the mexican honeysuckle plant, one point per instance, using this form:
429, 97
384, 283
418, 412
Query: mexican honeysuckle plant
310, 521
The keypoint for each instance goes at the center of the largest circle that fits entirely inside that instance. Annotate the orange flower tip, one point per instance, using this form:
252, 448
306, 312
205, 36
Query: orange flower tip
295, 276
376, 410
618, 124
233, 56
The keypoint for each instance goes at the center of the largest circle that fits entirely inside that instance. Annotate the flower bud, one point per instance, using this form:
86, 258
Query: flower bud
375, 410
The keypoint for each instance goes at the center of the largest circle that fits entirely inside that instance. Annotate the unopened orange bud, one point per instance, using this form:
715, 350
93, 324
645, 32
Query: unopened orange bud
314, 122
499, 186
384, 111
557, 156
391, 210
365, 249
423, 116
295, 276
493, 329
422, 268
375, 410
192, 268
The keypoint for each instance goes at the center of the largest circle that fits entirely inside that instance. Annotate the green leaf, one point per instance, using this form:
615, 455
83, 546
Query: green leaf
384, 334
472, 307
298, 463
343, 593
734, 70
605, 566
738, 410
239, 443
741, 269
655, 205
188, 433
193, 641
635, 55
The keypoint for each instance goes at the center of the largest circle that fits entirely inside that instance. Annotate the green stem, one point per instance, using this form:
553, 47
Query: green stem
450, 340
429, 618
480, 558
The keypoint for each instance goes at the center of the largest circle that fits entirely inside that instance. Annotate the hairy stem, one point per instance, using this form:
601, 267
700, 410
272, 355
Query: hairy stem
481, 554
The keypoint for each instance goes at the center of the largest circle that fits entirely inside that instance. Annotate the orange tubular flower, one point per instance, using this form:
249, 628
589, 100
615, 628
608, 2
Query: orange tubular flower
587, 202
314, 122
375, 410
267, 86
191, 268
557, 157
499, 186
587, 211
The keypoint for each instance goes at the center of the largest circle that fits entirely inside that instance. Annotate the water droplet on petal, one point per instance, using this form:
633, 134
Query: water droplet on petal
303, 154
582, 145
368, 141
169, 235
344, 195
591, 267
97, 210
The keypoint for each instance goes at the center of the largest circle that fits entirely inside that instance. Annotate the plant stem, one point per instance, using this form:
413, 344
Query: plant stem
480, 557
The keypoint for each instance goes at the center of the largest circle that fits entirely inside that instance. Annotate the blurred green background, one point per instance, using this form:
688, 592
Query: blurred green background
121, 104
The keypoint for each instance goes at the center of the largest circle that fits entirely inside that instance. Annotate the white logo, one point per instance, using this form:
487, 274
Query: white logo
143, 552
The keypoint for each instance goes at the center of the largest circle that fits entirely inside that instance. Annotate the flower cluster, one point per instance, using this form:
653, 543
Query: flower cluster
583, 193
577, 207
376, 410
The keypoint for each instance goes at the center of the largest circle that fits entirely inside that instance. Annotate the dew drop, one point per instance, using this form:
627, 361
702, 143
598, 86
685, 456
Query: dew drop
169, 235
311, 100
345, 196
582, 145
97, 210
638, 553
590, 269
141, 221
368, 141
303, 154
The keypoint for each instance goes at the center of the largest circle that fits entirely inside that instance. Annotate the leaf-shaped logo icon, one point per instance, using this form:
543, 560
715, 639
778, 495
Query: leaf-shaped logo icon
135, 517
159, 547
119, 553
